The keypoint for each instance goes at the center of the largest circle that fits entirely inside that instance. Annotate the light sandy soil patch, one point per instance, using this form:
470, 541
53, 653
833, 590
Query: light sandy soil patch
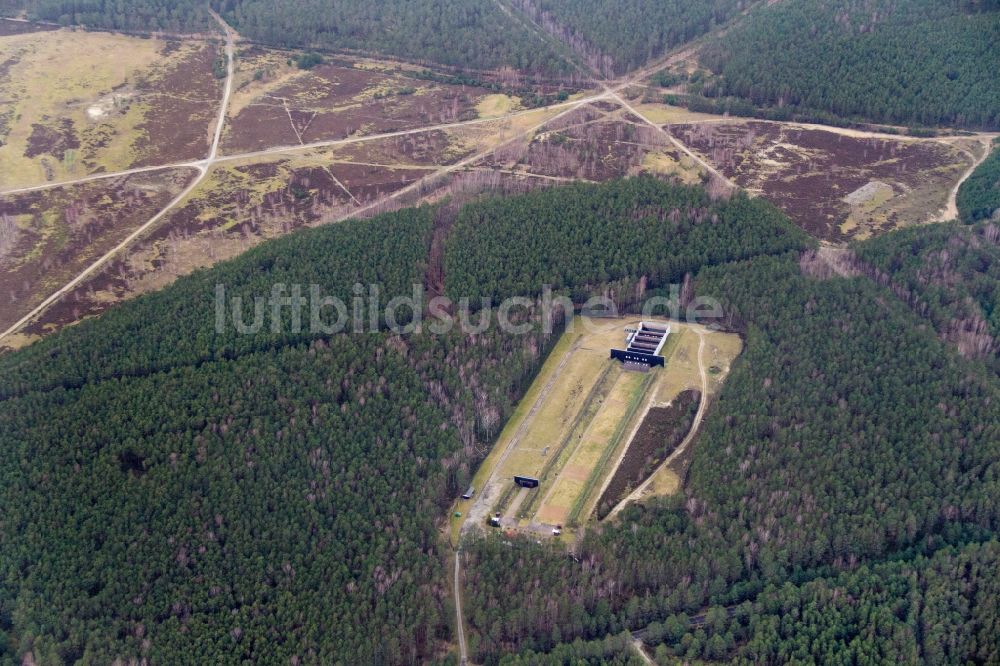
665, 114
484, 136
584, 466
665, 482
679, 166
491, 106
594, 143
51, 81
874, 192
77, 103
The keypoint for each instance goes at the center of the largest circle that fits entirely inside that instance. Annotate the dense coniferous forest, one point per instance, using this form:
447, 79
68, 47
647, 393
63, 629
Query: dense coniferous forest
281, 504
979, 196
581, 236
175, 488
846, 433
185, 501
460, 33
278, 496
947, 273
615, 37
610, 651
916, 63
185, 331
170, 486
130, 15
10, 7
934, 610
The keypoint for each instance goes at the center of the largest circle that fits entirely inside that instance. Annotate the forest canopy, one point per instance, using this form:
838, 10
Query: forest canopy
616, 37
920, 63
828, 447
914, 63
585, 235
275, 497
459, 33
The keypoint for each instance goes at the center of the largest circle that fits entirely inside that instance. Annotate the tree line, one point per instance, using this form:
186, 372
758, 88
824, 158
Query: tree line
389, 251
578, 237
614, 38
948, 274
918, 63
175, 490
933, 610
979, 196
459, 33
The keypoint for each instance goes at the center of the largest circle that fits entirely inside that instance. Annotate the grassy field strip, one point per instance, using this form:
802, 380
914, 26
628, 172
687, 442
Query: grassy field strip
578, 418
580, 461
703, 375
664, 391
551, 414
613, 445
679, 374
511, 512
556, 415
506, 497
576, 431
516, 426
682, 366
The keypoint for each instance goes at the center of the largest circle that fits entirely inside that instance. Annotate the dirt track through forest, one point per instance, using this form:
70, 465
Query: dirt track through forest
950, 211
459, 621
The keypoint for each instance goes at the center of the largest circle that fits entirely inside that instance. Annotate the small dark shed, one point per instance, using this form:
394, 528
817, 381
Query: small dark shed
526, 481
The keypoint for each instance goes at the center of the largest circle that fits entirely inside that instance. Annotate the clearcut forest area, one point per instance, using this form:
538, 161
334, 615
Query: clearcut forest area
726, 389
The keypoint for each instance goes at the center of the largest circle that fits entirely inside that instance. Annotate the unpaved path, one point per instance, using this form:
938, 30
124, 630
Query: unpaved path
294, 148
611, 91
950, 210
650, 402
702, 403
65, 289
459, 621
673, 140
637, 644
201, 167
220, 122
